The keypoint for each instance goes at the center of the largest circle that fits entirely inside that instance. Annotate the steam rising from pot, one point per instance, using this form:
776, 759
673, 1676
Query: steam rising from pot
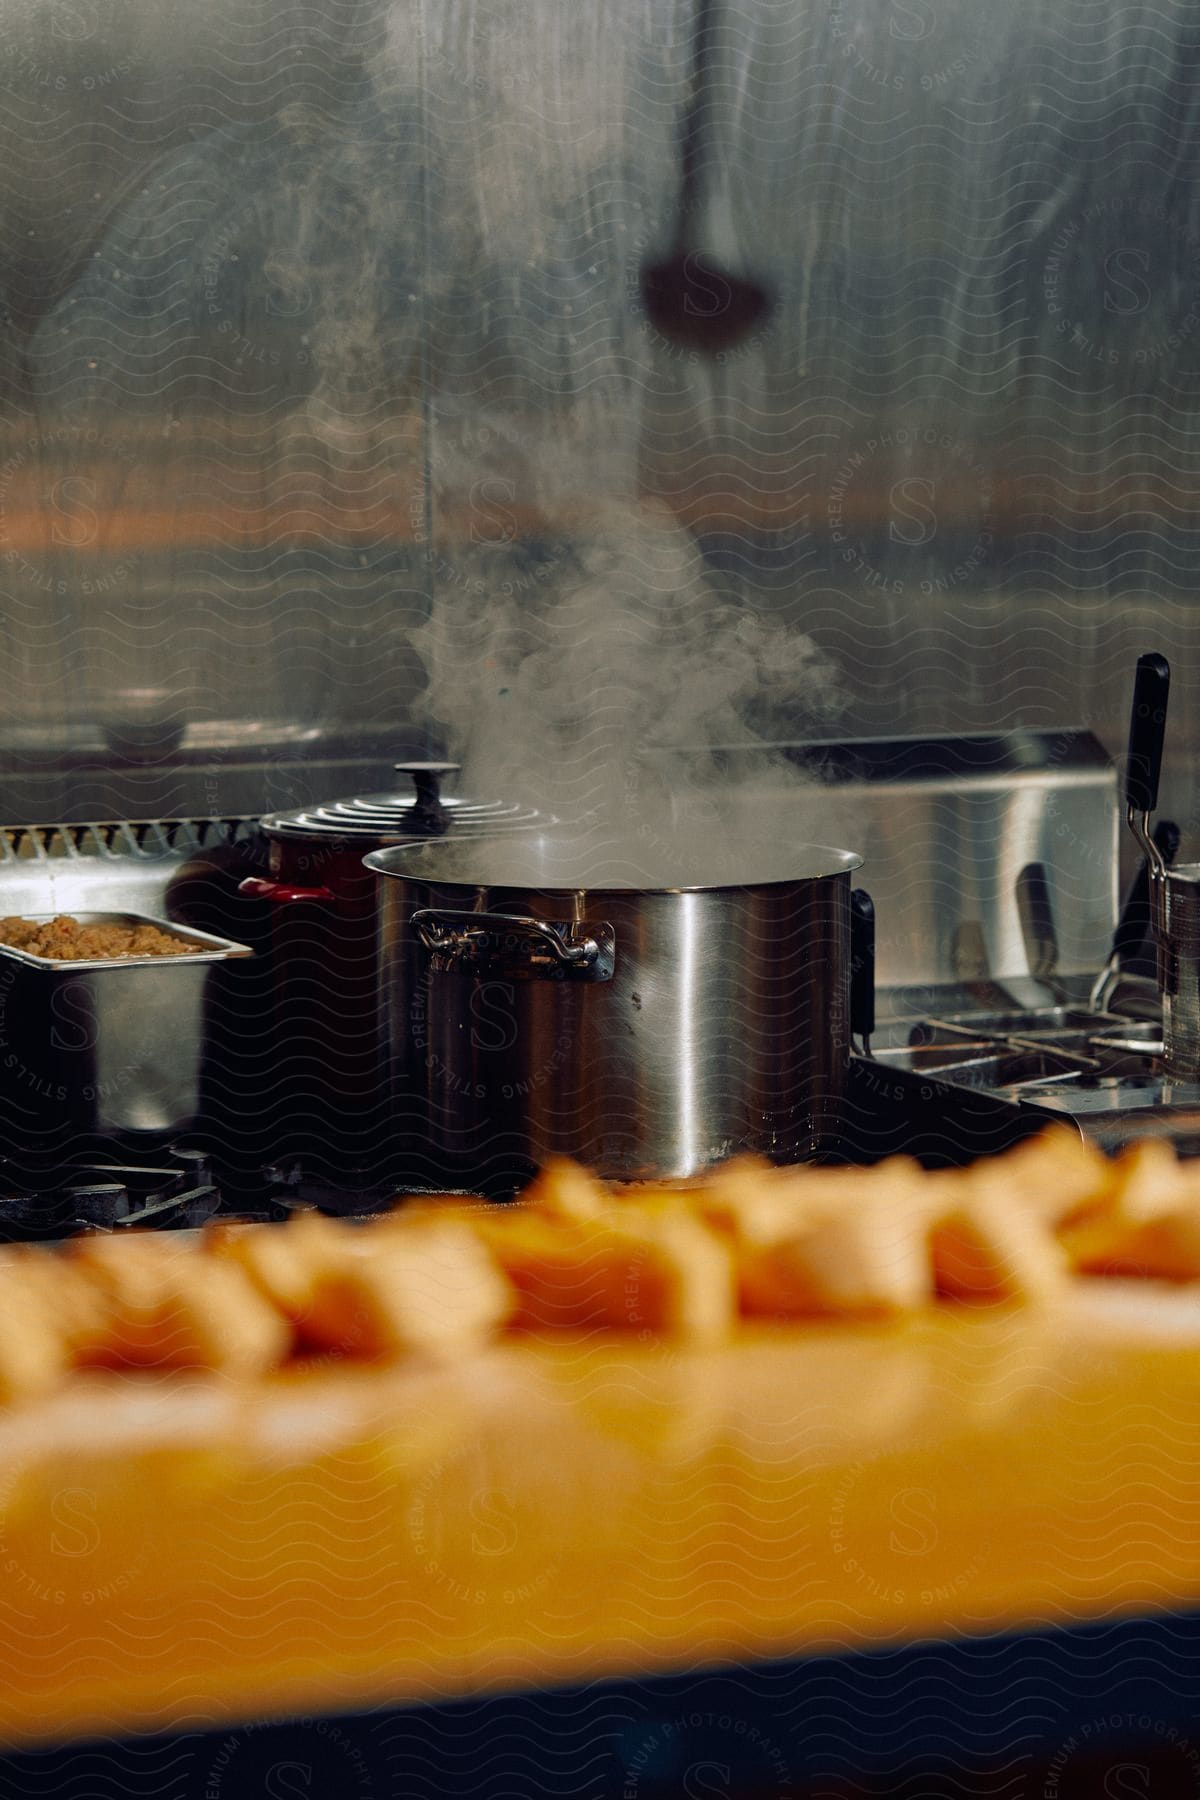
571, 645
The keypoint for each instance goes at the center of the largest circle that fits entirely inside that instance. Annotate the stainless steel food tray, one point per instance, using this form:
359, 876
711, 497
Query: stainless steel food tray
208, 948
106, 1047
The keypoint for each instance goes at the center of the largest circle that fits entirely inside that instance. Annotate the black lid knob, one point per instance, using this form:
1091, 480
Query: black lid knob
428, 815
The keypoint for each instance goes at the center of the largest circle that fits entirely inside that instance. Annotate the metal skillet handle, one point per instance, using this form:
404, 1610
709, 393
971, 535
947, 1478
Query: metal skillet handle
516, 945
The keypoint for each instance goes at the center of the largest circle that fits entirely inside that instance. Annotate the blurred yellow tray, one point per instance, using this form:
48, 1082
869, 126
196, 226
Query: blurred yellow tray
175, 1552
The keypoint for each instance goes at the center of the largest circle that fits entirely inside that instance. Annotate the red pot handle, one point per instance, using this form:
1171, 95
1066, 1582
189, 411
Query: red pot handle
256, 887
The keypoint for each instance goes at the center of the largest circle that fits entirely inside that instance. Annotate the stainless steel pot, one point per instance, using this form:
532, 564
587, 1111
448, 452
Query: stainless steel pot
648, 1032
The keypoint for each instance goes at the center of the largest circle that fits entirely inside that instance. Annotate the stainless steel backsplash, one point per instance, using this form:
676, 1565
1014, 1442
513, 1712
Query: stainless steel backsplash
322, 324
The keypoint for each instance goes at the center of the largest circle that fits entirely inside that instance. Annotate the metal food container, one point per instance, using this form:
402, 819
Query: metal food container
108, 1047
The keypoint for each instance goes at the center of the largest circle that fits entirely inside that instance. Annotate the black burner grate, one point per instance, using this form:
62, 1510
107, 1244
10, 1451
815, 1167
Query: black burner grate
177, 1188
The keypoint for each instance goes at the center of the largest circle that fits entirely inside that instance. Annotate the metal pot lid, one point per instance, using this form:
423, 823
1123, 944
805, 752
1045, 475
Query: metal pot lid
395, 818
558, 862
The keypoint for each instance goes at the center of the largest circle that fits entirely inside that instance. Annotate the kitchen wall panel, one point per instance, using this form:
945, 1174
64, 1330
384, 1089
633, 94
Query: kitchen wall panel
323, 352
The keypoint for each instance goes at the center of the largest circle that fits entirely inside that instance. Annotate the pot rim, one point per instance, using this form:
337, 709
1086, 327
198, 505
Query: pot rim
409, 862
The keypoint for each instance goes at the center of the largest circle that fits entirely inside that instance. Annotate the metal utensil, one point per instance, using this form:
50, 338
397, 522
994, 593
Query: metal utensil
691, 295
1072, 1060
1134, 924
1174, 891
1126, 1045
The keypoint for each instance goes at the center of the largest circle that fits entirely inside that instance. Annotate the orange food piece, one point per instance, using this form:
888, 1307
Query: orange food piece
75, 1304
415, 1279
1060, 1173
565, 1190
820, 1240
166, 1306
987, 1244
632, 1270
1150, 1223
1166, 1248
747, 1201
277, 1260
865, 1256
34, 1353
431, 1288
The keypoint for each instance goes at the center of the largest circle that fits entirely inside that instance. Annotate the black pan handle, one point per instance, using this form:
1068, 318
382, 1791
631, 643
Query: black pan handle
1133, 927
862, 966
1147, 730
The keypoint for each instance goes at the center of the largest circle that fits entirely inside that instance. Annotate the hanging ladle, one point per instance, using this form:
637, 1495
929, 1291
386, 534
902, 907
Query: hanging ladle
691, 296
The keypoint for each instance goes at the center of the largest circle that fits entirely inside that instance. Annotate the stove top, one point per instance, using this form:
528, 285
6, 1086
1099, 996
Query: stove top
946, 1085
1103, 1070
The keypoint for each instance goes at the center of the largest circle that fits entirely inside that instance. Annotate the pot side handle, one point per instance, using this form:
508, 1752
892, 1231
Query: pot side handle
516, 943
862, 966
258, 887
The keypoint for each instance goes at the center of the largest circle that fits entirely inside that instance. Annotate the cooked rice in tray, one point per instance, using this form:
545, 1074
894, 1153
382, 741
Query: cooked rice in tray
65, 939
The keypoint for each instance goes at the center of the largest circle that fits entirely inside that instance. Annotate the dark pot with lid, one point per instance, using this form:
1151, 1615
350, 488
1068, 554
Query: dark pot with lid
332, 1102
539, 1004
